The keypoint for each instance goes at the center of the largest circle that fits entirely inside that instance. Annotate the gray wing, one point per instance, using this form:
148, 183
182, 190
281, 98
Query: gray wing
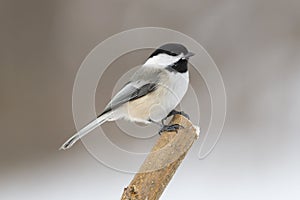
144, 81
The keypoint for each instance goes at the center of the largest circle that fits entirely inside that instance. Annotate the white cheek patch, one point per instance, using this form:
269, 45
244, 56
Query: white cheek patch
162, 60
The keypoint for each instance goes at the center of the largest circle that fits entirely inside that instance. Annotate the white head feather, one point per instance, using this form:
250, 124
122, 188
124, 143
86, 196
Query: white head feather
162, 60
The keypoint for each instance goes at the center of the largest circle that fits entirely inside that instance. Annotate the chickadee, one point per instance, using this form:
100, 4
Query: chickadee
151, 94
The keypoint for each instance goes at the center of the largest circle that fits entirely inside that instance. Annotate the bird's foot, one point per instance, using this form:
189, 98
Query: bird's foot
170, 128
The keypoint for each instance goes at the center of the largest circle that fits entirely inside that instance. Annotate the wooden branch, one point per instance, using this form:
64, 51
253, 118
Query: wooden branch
162, 162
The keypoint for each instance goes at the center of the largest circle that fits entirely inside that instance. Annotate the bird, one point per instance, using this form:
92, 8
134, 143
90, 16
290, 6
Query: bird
151, 94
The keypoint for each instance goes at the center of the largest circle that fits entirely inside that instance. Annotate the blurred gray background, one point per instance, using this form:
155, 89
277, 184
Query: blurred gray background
255, 44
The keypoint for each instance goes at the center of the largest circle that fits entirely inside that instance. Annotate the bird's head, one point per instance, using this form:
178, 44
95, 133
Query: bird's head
172, 56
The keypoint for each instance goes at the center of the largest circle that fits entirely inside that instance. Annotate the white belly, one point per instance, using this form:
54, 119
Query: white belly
157, 104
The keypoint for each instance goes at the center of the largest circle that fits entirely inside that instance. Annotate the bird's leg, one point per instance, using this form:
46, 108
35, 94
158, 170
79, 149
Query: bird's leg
167, 128
173, 127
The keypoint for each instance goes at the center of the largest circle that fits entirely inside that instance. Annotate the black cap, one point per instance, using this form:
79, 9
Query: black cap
172, 49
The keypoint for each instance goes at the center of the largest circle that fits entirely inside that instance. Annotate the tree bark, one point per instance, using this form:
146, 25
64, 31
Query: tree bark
162, 162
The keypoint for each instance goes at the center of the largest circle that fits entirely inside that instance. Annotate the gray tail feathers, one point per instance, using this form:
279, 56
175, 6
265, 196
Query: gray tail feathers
85, 130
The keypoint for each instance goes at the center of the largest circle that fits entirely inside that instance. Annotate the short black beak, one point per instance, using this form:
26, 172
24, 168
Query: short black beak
188, 55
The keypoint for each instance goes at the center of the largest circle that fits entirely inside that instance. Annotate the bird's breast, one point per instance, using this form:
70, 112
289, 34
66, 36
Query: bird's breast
157, 104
